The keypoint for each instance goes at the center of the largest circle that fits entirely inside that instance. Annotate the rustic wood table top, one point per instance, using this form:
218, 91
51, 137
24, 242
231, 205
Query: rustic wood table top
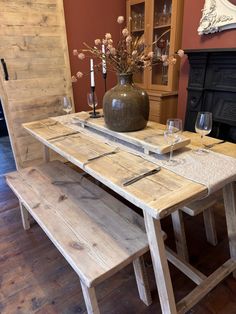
150, 139
158, 195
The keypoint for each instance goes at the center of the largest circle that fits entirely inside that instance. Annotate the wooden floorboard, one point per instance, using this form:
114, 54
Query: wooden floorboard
35, 278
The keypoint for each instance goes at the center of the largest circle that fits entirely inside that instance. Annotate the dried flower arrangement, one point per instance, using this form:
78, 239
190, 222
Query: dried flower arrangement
128, 56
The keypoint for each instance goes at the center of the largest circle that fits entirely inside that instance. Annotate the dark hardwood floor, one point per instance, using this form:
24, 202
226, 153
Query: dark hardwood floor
35, 278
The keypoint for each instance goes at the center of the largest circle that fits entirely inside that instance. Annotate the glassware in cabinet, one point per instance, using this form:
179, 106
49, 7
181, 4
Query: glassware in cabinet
136, 11
161, 39
162, 32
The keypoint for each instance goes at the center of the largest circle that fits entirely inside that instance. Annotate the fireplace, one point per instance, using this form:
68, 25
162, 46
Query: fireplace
212, 87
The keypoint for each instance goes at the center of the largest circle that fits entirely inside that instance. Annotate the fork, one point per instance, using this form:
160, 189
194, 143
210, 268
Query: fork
212, 145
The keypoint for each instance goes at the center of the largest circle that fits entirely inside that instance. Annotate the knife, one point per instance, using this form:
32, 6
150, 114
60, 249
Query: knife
141, 176
214, 144
103, 155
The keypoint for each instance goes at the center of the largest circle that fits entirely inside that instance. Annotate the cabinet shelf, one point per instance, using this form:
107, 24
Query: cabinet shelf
159, 22
141, 30
162, 26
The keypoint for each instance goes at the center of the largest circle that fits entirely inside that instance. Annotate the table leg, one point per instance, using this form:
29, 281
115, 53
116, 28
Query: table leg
160, 264
24, 216
180, 237
229, 194
46, 154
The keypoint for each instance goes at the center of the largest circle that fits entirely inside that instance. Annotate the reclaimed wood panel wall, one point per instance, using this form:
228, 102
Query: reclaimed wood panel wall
33, 44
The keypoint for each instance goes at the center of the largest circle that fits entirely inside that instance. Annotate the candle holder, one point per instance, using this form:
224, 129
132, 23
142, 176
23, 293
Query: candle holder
94, 114
104, 75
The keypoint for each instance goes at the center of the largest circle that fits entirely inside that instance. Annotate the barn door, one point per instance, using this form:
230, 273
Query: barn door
35, 71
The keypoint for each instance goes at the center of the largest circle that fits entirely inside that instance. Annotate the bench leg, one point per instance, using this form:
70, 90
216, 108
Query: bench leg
142, 280
90, 299
180, 238
229, 193
46, 154
210, 228
24, 217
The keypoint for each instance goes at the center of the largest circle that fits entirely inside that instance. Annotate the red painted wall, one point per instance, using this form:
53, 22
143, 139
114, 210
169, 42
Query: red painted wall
87, 20
191, 40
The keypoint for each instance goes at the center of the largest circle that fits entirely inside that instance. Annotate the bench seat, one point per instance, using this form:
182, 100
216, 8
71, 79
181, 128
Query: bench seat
97, 234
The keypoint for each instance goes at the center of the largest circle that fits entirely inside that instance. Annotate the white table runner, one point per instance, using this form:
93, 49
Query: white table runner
211, 169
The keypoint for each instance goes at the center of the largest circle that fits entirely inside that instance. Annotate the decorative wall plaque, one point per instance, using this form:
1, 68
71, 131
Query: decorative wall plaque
217, 15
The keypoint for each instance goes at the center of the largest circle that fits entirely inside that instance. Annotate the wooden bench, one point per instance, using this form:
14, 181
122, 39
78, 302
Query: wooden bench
97, 234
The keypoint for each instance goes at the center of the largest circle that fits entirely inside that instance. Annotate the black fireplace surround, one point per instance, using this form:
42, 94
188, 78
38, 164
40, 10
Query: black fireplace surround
212, 87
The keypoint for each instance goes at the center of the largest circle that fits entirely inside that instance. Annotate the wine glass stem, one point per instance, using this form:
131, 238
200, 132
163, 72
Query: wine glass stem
202, 141
171, 152
94, 112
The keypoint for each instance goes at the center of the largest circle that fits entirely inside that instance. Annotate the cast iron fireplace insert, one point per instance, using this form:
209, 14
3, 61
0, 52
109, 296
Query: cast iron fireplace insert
212, 87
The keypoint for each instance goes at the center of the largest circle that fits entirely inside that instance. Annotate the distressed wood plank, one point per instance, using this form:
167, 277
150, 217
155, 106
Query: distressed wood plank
142, 280
191, 272
50, 193
29, 6
179, 232
160, 265
90, 299
227, 148
34, 46
24, 217
206, 286
29, 18
229, 193
210, 226
159, 194
150, 139
27, 30
33, 87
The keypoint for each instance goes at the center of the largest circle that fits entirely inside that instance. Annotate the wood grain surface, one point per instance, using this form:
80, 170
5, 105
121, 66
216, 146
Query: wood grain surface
150, 139
79, 219
34, 47
159, 194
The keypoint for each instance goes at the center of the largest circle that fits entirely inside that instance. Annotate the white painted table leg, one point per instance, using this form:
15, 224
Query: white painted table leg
160, 265
229, 193
46, 154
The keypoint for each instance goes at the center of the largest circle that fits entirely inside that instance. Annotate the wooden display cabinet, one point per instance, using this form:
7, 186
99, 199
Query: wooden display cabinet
150, 20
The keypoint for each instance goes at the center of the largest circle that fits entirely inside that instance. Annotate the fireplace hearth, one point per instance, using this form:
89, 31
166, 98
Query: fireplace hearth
212, 87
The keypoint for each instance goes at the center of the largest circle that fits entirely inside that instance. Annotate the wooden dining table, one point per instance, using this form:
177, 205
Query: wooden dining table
158, 195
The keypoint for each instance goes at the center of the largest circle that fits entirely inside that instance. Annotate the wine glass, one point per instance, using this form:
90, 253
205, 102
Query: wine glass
135, 21
172, 136
66, 104
92, 100
203, 127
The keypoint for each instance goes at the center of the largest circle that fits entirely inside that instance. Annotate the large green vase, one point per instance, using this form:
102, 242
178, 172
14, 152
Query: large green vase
126, 106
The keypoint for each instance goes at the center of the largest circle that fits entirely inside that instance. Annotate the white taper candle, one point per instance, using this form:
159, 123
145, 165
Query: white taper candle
104, 67
92, 73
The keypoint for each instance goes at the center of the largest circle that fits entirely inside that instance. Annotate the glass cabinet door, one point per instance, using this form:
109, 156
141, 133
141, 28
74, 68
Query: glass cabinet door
137, 27
159, 24
161, 41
